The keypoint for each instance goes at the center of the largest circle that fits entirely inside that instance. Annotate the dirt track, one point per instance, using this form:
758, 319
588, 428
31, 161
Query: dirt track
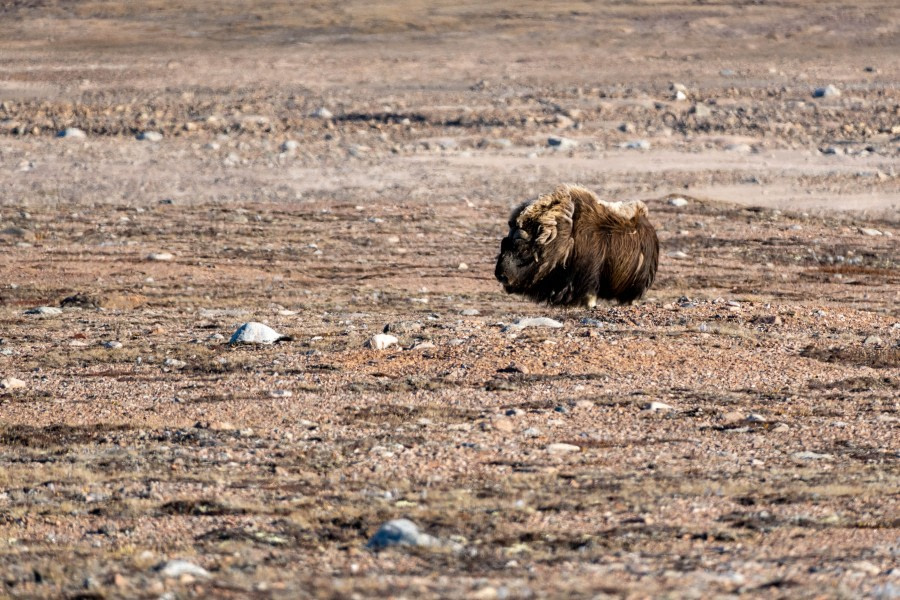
772, 333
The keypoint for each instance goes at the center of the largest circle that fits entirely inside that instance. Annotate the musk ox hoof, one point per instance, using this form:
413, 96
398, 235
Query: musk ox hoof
570, 248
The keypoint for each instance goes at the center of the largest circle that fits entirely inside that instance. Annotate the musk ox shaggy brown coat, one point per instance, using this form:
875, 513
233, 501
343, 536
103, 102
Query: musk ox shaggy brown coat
571, 248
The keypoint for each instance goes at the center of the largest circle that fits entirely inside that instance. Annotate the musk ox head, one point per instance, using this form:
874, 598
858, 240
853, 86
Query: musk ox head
571, 248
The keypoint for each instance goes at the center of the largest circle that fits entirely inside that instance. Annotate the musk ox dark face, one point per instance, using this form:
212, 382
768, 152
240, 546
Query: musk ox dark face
570, 248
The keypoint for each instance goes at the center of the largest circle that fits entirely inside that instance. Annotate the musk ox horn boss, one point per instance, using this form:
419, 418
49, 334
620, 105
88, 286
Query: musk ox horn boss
571, 248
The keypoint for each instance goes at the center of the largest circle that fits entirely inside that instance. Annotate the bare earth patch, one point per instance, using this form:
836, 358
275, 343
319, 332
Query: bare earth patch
736, 432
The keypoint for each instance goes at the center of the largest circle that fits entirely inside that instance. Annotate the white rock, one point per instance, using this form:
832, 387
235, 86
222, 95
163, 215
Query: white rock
533, 322
174, 363
72, 132
112, 345
463, 267
561, 448
679, 96
46, 311
741, 148
150, 136
561, 143
423, 346
176, 568
381, 341
160, 256
677, 254
322, 113
872, 340
400, 532
869, 231
256, 333
657, 406
678, 202
636, 145
281, 393
290, 146
470, 312
829, 91
11, 383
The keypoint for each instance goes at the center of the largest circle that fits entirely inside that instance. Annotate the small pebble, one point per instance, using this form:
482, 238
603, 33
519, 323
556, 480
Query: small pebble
322, 113
656, 406
256, 333
678, 202
381, 341
11, 383
176, 568
72, 132
470, 312
150, 136
636, 145
112, 345
160, 256
870, 232
400, 532
677, 254
561, 448
561, 143
533, 322
829, 91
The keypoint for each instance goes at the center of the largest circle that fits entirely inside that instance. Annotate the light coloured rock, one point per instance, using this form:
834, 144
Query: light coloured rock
160, 256
256, 333
381, 341
281, 394
677, 254
636, 145
678, 202
829, 91
562, 448
561, 143
463, 267
808, 455
533, 322
322, 113
423, 346
112, 345
400, 532
176, 568
11, 383
470, 312
870, 232
150, 136
290, 146
873, 340
656, 406
174, 363
45, 311
72, 133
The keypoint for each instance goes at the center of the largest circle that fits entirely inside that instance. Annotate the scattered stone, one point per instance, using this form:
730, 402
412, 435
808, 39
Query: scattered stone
503, 424
677, 254
423, 346
636, 145
740, 148
322, 113
174, 569
256, 333
870, 232
679, 96
678, 202
44, 311
732, 417
72, 132
561, 143
873, 340
381, 341
470, 312
463, 267
829, 91
562, 448
290, 146
533, 322
532, 432
400, 532
112, 345
701, 111
281, 394
656, 406
150, 136
174, 363
11, 383
160, 256
808, 455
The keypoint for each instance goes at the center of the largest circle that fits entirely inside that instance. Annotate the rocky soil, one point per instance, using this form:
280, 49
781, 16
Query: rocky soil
343, 175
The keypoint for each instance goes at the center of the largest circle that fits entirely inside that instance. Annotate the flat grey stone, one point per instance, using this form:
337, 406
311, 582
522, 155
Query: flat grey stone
533, 322
400, 532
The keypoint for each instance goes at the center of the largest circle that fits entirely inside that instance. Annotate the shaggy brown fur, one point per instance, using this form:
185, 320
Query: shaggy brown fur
571, 248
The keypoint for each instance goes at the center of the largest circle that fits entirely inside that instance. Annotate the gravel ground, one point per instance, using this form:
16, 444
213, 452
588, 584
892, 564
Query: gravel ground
338, 172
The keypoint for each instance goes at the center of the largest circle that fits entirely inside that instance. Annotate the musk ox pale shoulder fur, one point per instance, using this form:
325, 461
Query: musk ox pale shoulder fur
571, 248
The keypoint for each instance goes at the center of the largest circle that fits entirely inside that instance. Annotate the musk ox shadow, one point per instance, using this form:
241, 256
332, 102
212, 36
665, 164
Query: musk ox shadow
570, 248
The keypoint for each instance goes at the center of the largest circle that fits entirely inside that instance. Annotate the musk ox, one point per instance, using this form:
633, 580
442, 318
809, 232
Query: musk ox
571, 248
